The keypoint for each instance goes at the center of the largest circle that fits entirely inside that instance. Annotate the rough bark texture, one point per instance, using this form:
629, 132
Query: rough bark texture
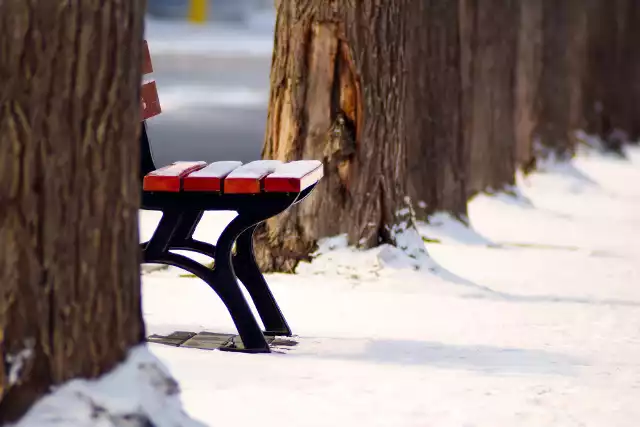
631, 89
563, 63
343, 90
528, 69
612, 87
490, 55
437, 154
69, 258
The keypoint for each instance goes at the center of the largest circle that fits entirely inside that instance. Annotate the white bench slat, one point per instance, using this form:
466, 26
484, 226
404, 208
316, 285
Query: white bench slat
209, 178
294, 176
169, 178
247, 179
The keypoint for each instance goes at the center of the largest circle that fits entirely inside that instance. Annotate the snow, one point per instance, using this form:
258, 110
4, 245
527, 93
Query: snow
296, 169
178, 168
255, 170
177, 97
216, 170
190, 44
529, 317
138, 393
183, 38
16, 362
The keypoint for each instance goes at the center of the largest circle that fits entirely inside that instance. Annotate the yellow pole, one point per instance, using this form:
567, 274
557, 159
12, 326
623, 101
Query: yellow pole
198, 11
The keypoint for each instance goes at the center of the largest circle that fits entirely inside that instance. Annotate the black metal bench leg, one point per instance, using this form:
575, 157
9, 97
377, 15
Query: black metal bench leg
160, 241
229, 293
170, 234
247, 271
188, 223
227, 286
182, 238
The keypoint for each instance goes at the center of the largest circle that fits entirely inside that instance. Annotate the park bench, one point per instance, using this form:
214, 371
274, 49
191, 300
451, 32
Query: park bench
257, 191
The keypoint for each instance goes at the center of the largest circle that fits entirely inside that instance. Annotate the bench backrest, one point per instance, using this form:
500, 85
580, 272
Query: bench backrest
150, 104
149, 107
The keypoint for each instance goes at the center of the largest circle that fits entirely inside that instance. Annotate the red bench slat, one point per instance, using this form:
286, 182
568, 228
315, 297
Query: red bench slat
210, 177
247, 179
169, 178
150, 103
294, 176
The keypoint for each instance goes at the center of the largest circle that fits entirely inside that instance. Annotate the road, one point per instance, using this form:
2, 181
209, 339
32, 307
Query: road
214, 108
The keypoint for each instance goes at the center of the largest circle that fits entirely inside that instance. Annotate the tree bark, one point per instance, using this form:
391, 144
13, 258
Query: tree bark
528, 69
437, 153
490, 55
630, 91
350, 86
612, 87
69, 193
563, 63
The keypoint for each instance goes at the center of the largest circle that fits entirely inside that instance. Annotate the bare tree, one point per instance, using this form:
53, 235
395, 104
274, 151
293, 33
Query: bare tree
69, 192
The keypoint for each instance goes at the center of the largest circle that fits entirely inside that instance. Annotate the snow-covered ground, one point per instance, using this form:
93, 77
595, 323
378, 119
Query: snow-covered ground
138, 393
212, 39
533, 320
190, 97
535, 323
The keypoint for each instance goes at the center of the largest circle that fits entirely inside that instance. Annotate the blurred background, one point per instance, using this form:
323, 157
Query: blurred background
211, 61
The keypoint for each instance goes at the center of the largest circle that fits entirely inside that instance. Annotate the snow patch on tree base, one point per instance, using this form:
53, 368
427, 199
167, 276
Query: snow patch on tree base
613, 145
138, 393
335, 252
407, 257
405, 248
408, 249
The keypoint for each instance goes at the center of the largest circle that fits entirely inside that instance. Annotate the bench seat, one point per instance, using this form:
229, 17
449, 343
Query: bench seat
231, 177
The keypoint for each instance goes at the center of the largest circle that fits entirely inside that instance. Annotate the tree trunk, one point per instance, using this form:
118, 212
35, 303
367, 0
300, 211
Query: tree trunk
612, 87
563, 63
437, 154
528, 68
69, 193
631, 89
490, 56
349, 86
